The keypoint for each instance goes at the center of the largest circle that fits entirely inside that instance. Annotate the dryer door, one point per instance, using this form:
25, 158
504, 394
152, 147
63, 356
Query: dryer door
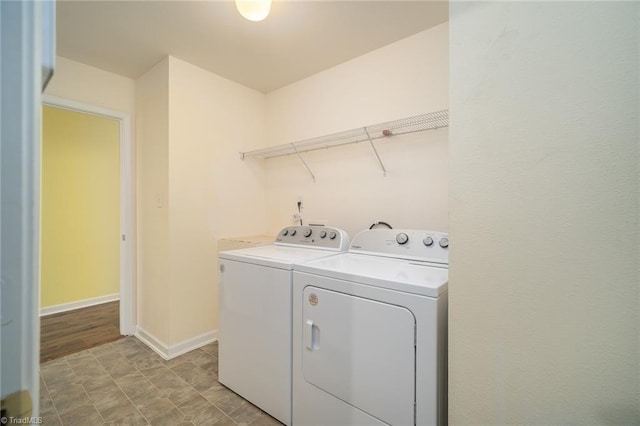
361, 351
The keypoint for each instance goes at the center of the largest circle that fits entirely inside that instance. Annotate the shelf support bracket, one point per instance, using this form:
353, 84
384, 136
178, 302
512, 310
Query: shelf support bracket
304, 163
375, 151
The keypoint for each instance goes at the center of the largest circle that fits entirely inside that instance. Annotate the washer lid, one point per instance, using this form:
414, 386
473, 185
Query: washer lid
424, 278
275, 256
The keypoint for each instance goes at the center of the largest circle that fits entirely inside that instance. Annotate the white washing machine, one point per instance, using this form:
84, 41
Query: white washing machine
255, 313
369, 332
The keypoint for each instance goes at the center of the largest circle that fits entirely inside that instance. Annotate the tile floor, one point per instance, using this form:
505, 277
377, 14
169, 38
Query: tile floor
126, 383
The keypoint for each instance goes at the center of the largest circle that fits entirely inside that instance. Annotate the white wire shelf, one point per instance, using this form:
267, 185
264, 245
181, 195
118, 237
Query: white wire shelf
418, 123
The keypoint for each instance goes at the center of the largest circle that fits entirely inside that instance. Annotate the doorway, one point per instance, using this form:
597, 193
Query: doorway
87, 210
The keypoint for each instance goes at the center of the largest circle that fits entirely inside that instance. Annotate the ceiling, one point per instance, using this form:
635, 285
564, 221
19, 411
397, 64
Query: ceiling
298, 38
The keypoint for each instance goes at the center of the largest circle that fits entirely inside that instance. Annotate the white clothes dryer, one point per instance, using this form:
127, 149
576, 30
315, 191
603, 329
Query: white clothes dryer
255, 312
369, 332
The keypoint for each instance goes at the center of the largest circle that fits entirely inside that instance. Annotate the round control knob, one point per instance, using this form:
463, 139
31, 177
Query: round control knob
308, 232
285, 232
427, 241
323, 234
332, 235
402, 238
444, 242
293, 232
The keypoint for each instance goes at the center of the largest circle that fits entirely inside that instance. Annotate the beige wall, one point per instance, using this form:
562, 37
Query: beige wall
543, 292
193, 190
212, 192
93, 86
406, 78
152, 102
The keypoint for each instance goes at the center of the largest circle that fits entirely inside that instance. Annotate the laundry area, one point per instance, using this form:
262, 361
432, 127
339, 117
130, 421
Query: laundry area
365, 212
312, 163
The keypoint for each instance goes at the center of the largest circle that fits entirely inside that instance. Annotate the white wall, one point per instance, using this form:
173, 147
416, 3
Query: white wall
544, 211
406, 78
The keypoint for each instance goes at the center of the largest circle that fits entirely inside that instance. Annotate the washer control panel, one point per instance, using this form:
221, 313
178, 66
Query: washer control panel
410, 244
314, 236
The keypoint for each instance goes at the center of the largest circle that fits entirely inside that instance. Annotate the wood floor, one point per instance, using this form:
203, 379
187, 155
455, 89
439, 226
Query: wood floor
74, 331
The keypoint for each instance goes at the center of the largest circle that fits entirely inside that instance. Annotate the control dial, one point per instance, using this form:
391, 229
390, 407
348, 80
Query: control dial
285, 232
293, 232
308, 232
427, 241
402, 238
323, 234
444, 242
332, 235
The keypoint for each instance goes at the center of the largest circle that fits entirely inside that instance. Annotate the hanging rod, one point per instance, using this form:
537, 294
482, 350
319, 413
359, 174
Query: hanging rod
418, 123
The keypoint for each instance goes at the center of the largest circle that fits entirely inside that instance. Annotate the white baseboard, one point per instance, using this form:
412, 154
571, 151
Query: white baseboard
170, 352
148, 339
64, 307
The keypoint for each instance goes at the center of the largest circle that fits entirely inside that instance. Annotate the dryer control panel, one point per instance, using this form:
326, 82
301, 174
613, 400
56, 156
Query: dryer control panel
322, 237
412, 244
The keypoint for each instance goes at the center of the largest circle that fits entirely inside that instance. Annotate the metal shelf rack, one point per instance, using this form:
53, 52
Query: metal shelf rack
418, 123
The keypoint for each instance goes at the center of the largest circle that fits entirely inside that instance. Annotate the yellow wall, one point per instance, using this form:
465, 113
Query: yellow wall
80, 206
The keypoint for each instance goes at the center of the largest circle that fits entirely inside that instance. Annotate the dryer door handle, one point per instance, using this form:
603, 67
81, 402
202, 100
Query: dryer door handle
311, 335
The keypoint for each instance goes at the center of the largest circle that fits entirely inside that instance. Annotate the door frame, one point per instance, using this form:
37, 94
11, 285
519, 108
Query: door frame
128, 306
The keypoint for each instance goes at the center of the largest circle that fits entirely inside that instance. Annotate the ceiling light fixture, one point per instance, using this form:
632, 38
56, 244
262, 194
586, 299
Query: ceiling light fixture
254, 10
